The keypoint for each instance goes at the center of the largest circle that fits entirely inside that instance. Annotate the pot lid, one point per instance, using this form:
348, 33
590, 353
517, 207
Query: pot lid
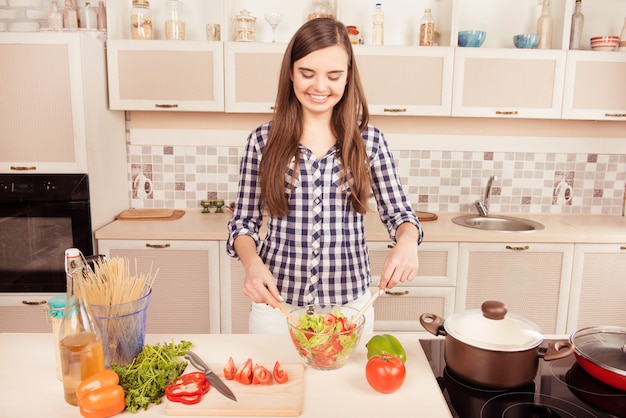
605, 346
492, 328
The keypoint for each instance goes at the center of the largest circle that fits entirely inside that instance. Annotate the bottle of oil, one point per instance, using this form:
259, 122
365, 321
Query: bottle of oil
80, 341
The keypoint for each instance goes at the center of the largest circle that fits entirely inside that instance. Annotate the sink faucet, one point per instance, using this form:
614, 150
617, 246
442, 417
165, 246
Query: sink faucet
483, 207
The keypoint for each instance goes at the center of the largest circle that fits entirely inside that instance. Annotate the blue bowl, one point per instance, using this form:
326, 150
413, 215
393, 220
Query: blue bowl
527, 40
472, 38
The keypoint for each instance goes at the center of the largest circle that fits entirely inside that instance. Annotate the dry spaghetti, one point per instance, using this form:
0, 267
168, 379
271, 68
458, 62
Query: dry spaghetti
119, 300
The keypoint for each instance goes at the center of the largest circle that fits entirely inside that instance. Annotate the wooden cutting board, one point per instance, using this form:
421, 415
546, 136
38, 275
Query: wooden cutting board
151, 214
426, 216
275, 400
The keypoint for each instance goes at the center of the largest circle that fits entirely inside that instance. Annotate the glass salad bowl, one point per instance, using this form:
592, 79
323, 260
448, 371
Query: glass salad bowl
325, 336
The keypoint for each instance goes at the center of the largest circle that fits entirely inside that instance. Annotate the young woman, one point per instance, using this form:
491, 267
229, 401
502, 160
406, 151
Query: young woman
312, 170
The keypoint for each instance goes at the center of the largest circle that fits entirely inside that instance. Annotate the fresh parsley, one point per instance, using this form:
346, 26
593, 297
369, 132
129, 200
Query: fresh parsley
144, 379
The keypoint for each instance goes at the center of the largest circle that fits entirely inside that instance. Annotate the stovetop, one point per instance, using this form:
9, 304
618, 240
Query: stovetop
561, 389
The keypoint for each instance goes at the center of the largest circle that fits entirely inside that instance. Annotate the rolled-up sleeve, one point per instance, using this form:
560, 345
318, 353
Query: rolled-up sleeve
248, 214
394, 207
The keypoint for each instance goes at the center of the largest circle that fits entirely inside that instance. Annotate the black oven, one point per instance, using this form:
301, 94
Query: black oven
41, 215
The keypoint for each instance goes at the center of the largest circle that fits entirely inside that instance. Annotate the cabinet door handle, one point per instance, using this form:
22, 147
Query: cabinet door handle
35, 302
394, 110
524, 248
166, 106
157, 245
622, 247
22, 168
403, 293
502, 112
615, 115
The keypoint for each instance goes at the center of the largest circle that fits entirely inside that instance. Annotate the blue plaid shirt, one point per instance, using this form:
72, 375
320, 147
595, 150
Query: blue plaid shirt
318, 252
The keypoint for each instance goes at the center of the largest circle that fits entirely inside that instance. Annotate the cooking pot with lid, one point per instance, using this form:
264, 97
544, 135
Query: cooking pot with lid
492, 348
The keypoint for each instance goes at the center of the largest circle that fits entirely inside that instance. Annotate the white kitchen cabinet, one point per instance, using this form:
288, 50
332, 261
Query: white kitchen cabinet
25, 312
54, 116
598, 286
595, 86
235, 306
166, 75
508, 83
251, 76
186, 292
406, 81
432, 291
532, 280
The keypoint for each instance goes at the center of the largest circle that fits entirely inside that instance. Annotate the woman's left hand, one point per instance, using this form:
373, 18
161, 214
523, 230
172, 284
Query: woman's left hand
402, 263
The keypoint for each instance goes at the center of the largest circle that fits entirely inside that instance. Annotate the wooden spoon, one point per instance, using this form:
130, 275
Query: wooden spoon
365, 307
294, 321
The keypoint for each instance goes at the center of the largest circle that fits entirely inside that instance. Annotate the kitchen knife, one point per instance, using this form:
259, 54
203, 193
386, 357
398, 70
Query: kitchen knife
211, 377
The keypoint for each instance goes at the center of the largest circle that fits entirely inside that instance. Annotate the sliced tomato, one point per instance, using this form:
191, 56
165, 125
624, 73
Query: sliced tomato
230, 369
330, 320
280, 375
245, 373
261, 375
342, 321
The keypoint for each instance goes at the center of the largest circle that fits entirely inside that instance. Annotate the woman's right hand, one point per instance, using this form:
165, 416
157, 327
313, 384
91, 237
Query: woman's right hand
259, 284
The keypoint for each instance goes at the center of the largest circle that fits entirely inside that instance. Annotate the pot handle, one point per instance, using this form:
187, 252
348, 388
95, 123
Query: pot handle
432, 323
556, 350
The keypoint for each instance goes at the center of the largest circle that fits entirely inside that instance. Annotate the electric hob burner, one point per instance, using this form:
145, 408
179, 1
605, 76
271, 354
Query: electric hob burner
560, 389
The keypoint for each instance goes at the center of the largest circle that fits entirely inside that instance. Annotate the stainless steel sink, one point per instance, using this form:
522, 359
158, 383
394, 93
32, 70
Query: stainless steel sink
497, 223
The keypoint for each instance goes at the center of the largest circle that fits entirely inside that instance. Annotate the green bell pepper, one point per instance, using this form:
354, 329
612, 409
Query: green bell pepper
385, 344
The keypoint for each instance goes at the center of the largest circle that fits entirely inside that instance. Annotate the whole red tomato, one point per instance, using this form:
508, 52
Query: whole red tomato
385, 373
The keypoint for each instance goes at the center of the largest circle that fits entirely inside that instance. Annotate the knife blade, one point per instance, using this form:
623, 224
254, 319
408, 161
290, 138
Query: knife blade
214, 379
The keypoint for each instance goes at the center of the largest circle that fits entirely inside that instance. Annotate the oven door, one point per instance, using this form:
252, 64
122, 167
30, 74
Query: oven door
33, 240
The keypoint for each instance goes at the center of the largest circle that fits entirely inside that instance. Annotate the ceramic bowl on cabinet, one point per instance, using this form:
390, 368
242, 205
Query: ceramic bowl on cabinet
604, 43
471, 38
526, 40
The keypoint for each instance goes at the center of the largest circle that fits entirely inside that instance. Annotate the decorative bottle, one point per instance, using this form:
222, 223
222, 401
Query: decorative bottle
80, 340
427, 29
378, 25
576, 33
88, 18
55, 18
70, 16
102, 16
141, 20
174, 21
544, 27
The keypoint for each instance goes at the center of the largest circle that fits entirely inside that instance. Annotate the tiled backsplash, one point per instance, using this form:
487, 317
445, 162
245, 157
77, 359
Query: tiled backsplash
439, 181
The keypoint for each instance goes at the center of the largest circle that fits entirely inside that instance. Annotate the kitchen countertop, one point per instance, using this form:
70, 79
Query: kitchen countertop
195, 225
30, 389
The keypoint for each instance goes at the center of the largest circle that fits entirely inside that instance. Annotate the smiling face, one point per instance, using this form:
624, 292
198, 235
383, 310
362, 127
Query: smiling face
319, 79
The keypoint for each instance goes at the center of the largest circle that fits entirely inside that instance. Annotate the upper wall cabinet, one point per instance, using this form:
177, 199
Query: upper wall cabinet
166, 75
400, 77
405, 80
251, 76
595, 86
508, 83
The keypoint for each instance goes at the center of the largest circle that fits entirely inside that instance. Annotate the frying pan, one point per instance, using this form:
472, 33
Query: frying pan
601, 352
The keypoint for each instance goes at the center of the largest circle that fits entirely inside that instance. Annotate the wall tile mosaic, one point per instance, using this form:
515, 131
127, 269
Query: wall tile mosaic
441, 181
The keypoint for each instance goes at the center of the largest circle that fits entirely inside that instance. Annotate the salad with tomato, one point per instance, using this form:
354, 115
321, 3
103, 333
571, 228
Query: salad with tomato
325, 339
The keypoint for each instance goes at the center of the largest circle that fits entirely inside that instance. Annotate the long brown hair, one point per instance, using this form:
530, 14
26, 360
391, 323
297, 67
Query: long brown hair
349, 119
